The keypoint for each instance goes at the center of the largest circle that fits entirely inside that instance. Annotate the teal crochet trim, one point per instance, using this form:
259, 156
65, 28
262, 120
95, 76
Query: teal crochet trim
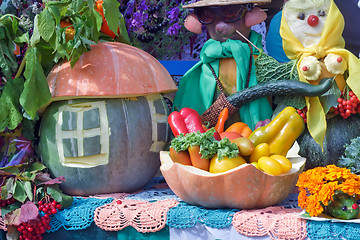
79, 215
332, 230
187, 216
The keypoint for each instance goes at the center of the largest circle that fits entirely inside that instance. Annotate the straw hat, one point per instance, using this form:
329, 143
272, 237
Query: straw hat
205, 3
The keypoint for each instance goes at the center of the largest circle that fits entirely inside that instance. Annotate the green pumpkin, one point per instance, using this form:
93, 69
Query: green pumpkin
343, 206
339, 132
104, 145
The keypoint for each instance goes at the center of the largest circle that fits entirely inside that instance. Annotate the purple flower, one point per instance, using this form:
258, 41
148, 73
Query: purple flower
138, 19
130, 7
142, 6
173, 14
174, 29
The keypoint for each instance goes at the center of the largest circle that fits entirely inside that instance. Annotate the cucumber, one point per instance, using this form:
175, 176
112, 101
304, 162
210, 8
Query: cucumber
278, 88
343, 206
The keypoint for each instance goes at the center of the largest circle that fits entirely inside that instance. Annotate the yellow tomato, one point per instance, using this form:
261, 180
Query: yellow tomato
284, 162
261, 150
270, 166
225, 164
256, 165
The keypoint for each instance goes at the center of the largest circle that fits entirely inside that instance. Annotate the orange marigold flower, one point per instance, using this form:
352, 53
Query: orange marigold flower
317, 187
313, 207
302, 197
326, 192
350, 186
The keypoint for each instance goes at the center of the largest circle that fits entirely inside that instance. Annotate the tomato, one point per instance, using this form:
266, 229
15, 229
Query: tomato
69, 31
284, 162
230, 135
261, 150
270, 166
245, 145
225, 164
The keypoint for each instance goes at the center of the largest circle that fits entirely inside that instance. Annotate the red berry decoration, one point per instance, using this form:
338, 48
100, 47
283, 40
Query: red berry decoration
348, 104
302, 113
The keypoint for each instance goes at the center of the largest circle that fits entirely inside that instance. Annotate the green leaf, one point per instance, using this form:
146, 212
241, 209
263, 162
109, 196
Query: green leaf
22, 39
123, 36
46, 24
60, 197
112, 14
12, 170
28, 190
55, 12
329, 99
40, 194
8, 63
10, 185
19, 192
77, 5
10, 208
36, 90
4, 192
35, 38
10, 115
35, 167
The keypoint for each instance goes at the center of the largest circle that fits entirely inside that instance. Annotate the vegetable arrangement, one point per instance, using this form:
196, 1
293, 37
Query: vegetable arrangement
265, 148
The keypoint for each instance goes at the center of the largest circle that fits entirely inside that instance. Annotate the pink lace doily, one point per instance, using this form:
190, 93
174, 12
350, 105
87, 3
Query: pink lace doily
141, 215
2, 224
277, 222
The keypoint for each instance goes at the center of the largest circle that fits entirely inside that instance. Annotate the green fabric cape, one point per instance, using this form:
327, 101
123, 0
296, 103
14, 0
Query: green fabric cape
197, 87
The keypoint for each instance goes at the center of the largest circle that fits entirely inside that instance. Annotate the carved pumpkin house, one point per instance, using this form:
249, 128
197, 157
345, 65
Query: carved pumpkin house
107, 121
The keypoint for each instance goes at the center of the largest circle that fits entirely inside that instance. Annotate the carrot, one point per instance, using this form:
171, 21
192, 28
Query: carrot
181, 157
223, 116
196, 158
241, 128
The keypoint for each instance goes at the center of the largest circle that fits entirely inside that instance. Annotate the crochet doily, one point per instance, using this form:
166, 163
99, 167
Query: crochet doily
78, 216
333, 230
277, 222
154, 195
142, 215
2, 224
187, 216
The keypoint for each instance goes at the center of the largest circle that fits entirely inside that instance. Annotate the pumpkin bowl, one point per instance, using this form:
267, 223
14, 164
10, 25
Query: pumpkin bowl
243, 187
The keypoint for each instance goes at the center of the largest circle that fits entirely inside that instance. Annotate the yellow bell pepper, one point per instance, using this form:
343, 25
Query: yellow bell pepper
281, 132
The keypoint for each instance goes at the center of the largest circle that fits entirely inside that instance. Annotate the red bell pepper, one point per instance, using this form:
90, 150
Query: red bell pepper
186, 121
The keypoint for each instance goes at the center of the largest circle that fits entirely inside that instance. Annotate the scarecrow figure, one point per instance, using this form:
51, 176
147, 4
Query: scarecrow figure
226, 61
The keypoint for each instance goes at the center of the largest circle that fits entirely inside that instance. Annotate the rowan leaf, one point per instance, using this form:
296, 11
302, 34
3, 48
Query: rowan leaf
29, 211
19, 191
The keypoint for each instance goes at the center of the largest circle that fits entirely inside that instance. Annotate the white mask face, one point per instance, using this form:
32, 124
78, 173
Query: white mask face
306, 20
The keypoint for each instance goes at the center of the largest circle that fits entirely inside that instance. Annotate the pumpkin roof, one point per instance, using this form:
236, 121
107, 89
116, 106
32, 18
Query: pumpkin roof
110, 70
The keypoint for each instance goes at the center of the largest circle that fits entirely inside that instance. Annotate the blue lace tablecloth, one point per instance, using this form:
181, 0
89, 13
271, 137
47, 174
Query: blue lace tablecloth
80, 214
